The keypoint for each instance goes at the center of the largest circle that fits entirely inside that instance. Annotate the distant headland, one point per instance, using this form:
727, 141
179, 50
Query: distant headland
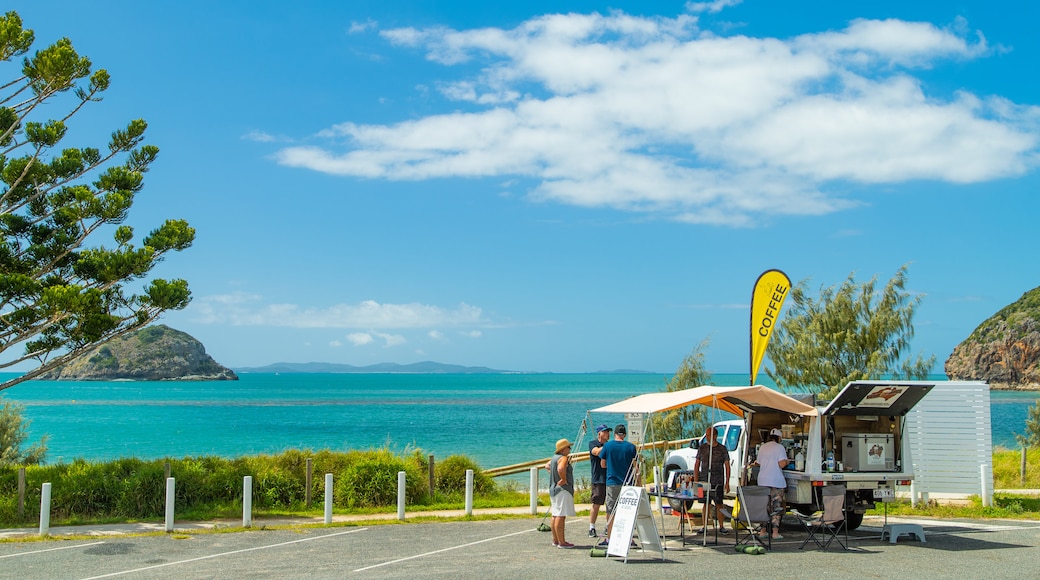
154, 353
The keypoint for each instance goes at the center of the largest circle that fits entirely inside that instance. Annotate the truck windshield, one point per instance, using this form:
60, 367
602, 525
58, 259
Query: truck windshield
728, 435
732, 437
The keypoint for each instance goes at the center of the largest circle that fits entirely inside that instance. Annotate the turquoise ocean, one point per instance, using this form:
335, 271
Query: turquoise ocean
497, 419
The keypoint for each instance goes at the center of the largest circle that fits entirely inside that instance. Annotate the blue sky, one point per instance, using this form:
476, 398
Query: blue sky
566, 186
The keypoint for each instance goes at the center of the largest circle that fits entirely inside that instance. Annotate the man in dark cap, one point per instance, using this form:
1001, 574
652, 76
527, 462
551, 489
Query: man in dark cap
599, 476
618, 457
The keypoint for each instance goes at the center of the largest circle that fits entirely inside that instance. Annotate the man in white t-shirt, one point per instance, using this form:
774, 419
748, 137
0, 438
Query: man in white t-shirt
771, 461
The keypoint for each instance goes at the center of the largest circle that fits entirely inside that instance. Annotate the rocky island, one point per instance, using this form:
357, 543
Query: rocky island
1004, 350
155, 353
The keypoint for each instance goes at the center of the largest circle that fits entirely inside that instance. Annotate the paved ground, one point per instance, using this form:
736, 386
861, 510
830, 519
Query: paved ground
513, 549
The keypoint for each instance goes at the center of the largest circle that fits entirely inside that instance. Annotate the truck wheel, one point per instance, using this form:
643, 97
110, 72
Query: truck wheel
853, 520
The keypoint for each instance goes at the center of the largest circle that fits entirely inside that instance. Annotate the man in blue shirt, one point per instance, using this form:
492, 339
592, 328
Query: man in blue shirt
618, 457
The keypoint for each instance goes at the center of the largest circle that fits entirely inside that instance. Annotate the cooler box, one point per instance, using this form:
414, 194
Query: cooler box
868, 452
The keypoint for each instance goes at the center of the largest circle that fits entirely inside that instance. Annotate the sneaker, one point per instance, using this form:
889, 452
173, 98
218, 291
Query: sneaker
723, 530
592, 532
604, 543
565, 545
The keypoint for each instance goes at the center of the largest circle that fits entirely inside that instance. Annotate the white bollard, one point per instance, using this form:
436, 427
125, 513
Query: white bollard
469, 492
987, 499
534, 491
247, 501
45, 509
658, 488
400, 495
170, 495
913, 493
328, 498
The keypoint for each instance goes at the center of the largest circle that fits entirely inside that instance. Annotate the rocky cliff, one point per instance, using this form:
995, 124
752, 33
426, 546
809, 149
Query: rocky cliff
155, 353
1005, 349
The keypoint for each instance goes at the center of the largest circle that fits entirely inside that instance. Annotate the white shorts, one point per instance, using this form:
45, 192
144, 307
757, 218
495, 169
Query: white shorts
563, 504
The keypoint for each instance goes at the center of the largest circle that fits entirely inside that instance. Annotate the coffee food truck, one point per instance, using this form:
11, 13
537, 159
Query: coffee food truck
857, 440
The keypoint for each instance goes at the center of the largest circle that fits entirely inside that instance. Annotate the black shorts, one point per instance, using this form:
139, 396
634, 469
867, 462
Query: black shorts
599, 493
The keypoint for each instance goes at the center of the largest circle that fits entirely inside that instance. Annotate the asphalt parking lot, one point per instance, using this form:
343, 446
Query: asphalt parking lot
514, 549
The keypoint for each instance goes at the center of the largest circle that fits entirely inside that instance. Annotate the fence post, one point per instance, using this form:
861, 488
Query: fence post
170, 495
247, 501
45, 510
1022, 470
21, 493
987, 497
400, 495
534, 491
166, 470
328, 498
432, 479
310, 480
469, 492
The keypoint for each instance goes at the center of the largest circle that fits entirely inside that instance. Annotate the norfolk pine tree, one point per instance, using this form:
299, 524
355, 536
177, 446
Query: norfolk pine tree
58, 297
849, 333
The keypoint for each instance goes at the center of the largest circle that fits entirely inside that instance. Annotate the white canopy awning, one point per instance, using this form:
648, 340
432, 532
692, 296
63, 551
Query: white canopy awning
731, 399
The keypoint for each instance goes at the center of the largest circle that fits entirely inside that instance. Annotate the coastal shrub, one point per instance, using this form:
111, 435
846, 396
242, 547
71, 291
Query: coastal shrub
371, 481
204, 481
275, 486
144, 492
86, 489
451, 476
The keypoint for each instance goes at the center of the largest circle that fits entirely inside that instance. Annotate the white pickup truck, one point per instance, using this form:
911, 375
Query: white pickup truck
864, 429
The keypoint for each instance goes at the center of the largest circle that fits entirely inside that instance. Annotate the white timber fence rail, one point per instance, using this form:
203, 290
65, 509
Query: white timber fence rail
951, 442
578, 457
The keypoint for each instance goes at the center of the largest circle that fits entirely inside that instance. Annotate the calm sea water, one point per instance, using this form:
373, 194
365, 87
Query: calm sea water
495, 419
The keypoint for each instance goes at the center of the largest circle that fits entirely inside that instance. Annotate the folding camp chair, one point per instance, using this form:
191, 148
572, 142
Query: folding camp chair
825, 527
754, 514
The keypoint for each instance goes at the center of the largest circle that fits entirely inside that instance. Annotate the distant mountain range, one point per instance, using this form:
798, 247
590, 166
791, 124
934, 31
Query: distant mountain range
425, 367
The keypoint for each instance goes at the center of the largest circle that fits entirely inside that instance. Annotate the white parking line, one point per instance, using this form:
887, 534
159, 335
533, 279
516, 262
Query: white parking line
50, 550
442, 550
135, 570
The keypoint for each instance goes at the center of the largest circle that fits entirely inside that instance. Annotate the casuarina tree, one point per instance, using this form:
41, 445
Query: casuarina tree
849, 333
60, 297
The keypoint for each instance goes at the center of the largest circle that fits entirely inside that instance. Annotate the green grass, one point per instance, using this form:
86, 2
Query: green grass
1007, 469
1005, 506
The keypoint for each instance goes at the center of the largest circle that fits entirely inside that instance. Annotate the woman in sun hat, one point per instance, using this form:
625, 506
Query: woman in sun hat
561, 492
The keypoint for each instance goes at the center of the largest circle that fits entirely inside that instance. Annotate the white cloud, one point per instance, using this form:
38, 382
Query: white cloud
366, 338
391, 339
360, 338
653, 115
358, 27
436, 335
335, 343
242, 309
472, 333
259, 136
713, 7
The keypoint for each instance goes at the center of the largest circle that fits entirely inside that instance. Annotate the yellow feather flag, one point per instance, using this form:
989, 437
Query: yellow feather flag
771, 288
